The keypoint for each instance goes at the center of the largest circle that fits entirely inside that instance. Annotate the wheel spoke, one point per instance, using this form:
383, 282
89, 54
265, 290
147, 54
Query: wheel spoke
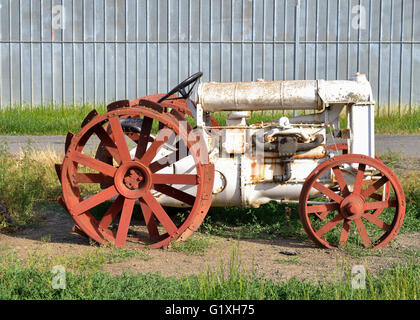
93, 178
150, 154
108, 143
166, 161
380, 204
329, 225
359, 178
190, 179
160, 213
143, 140
134, 136
329, 193
96, 199
341, 182
124, 224
376, 196
322, 210
377, 222
363, 233
149, 220
175, 193
94, 164
112, 212
366, 193
345, 233
377, 212
119, 138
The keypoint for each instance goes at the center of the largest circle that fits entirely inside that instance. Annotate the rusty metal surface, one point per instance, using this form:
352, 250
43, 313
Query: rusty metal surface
258, 95
282, 95
264, 171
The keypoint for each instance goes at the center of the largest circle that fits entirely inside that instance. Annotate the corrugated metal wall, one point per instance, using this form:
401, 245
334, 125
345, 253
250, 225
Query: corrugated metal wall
106, 50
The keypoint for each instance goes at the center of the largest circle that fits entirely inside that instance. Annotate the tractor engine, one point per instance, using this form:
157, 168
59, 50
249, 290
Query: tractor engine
264, 161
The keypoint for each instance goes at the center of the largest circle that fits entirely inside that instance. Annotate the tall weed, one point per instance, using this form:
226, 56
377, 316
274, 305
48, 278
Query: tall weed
27, 179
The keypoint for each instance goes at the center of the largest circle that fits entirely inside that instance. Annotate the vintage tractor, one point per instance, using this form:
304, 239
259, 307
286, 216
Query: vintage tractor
149, 154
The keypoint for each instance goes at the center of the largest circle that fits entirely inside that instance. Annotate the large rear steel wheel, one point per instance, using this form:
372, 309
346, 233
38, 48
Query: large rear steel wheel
365, 204
135, 177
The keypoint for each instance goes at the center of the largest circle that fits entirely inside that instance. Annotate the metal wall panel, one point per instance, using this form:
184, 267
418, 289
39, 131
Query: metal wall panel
105, 50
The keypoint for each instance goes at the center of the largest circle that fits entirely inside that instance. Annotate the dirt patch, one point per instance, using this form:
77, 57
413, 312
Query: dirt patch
276, 259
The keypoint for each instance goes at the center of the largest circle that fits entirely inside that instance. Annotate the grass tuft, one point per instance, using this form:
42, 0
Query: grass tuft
197, 244
27, 180
292, 260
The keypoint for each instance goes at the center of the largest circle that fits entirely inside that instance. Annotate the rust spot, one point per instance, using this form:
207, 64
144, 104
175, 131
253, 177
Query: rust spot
310, 156
257, 171
316, 153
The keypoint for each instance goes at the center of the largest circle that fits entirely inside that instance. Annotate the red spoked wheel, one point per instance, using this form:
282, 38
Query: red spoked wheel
353, 206
343, 146
139, 176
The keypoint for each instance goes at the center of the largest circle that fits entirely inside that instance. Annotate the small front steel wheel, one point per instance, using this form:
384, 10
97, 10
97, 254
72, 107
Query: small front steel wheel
365, 204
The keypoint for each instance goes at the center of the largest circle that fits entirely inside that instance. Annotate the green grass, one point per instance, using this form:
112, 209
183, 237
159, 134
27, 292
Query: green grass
197, 244
46, 238
5, 247
266, 222
228, 281
394, 123
292, 260
44, 120
58, 119
266, 116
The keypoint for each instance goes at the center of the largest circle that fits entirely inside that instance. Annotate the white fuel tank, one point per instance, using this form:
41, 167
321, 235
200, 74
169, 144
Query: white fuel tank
281, 95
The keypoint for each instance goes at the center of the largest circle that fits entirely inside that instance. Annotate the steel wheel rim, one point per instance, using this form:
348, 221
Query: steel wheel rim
93, 227
390, 229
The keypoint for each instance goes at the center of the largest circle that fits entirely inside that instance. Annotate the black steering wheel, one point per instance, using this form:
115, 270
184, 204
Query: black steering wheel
180, 88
